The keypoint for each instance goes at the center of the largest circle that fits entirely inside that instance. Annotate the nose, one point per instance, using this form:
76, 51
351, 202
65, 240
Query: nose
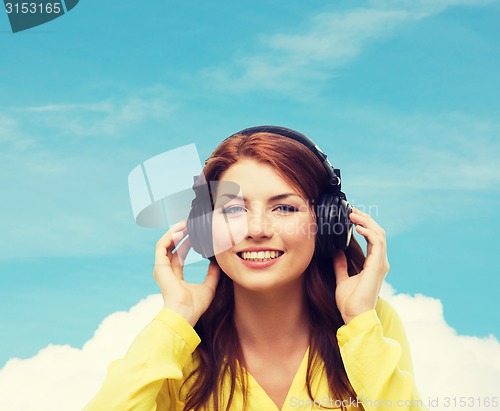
259, 225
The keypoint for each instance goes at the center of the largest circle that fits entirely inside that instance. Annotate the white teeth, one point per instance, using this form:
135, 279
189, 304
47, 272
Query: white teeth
260, 255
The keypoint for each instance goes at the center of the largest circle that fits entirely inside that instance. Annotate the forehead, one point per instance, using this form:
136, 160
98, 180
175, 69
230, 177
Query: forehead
256, 178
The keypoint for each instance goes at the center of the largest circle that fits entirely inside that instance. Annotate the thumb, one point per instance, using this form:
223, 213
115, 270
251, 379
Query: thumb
340, 267
213, 275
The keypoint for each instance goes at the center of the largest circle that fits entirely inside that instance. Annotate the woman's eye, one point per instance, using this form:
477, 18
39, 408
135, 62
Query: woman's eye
236, 209
286, 209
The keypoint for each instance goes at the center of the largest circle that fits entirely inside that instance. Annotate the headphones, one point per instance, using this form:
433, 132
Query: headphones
334, 228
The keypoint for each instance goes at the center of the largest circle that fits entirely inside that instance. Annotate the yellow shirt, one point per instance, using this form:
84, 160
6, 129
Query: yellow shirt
373, 346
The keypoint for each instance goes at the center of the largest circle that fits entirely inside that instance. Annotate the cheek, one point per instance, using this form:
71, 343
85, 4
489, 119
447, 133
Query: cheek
301, 244
302, 239
223, 261
299, 230
227, 232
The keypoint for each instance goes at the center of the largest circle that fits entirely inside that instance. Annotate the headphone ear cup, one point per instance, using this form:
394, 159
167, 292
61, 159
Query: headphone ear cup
199, 223
334, 228
344, 225
324, 235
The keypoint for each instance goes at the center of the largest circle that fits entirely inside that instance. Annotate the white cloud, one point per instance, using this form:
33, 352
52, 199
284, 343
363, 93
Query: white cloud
103, 118
425, 8
62, 378
294, 63
447, 364
438, 165
11, 136
103, 106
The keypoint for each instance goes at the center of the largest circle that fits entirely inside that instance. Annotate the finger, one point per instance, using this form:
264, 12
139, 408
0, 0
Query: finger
167, 243
376, 249
181, 225
371, 236
166, 240
360, 218
376, 233
179, 257
359, 212
178, 227
213, 275
171, 239
340, 267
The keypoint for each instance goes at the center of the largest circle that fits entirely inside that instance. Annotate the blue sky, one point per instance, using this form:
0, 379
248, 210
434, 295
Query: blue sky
402, 95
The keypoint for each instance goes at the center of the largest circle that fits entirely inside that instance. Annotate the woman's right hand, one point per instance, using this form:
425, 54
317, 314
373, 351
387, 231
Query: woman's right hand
188, 299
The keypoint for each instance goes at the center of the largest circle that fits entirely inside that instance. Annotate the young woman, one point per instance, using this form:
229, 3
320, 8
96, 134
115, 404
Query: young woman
281, 322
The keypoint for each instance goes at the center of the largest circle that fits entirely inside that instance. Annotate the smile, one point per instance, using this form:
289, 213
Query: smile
259, 256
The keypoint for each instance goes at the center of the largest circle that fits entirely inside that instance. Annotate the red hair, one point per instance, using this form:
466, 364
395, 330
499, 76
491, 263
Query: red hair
220, 352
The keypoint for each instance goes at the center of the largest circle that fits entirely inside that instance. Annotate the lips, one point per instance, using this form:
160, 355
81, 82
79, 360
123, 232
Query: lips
259, 255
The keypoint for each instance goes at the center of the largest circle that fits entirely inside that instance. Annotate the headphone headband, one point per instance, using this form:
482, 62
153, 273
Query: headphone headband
333, 173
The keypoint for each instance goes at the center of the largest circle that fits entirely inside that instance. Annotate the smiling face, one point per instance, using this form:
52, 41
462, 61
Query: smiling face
264, 237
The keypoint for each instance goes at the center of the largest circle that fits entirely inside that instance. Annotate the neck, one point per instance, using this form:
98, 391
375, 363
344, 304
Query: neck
276, 318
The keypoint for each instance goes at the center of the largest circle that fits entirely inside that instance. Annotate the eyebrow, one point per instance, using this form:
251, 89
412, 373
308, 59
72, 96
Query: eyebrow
270, 199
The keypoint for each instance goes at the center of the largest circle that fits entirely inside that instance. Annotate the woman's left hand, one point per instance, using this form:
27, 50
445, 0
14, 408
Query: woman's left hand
358, 294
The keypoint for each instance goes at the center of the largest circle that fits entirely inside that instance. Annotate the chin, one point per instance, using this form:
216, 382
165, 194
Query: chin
266, 284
